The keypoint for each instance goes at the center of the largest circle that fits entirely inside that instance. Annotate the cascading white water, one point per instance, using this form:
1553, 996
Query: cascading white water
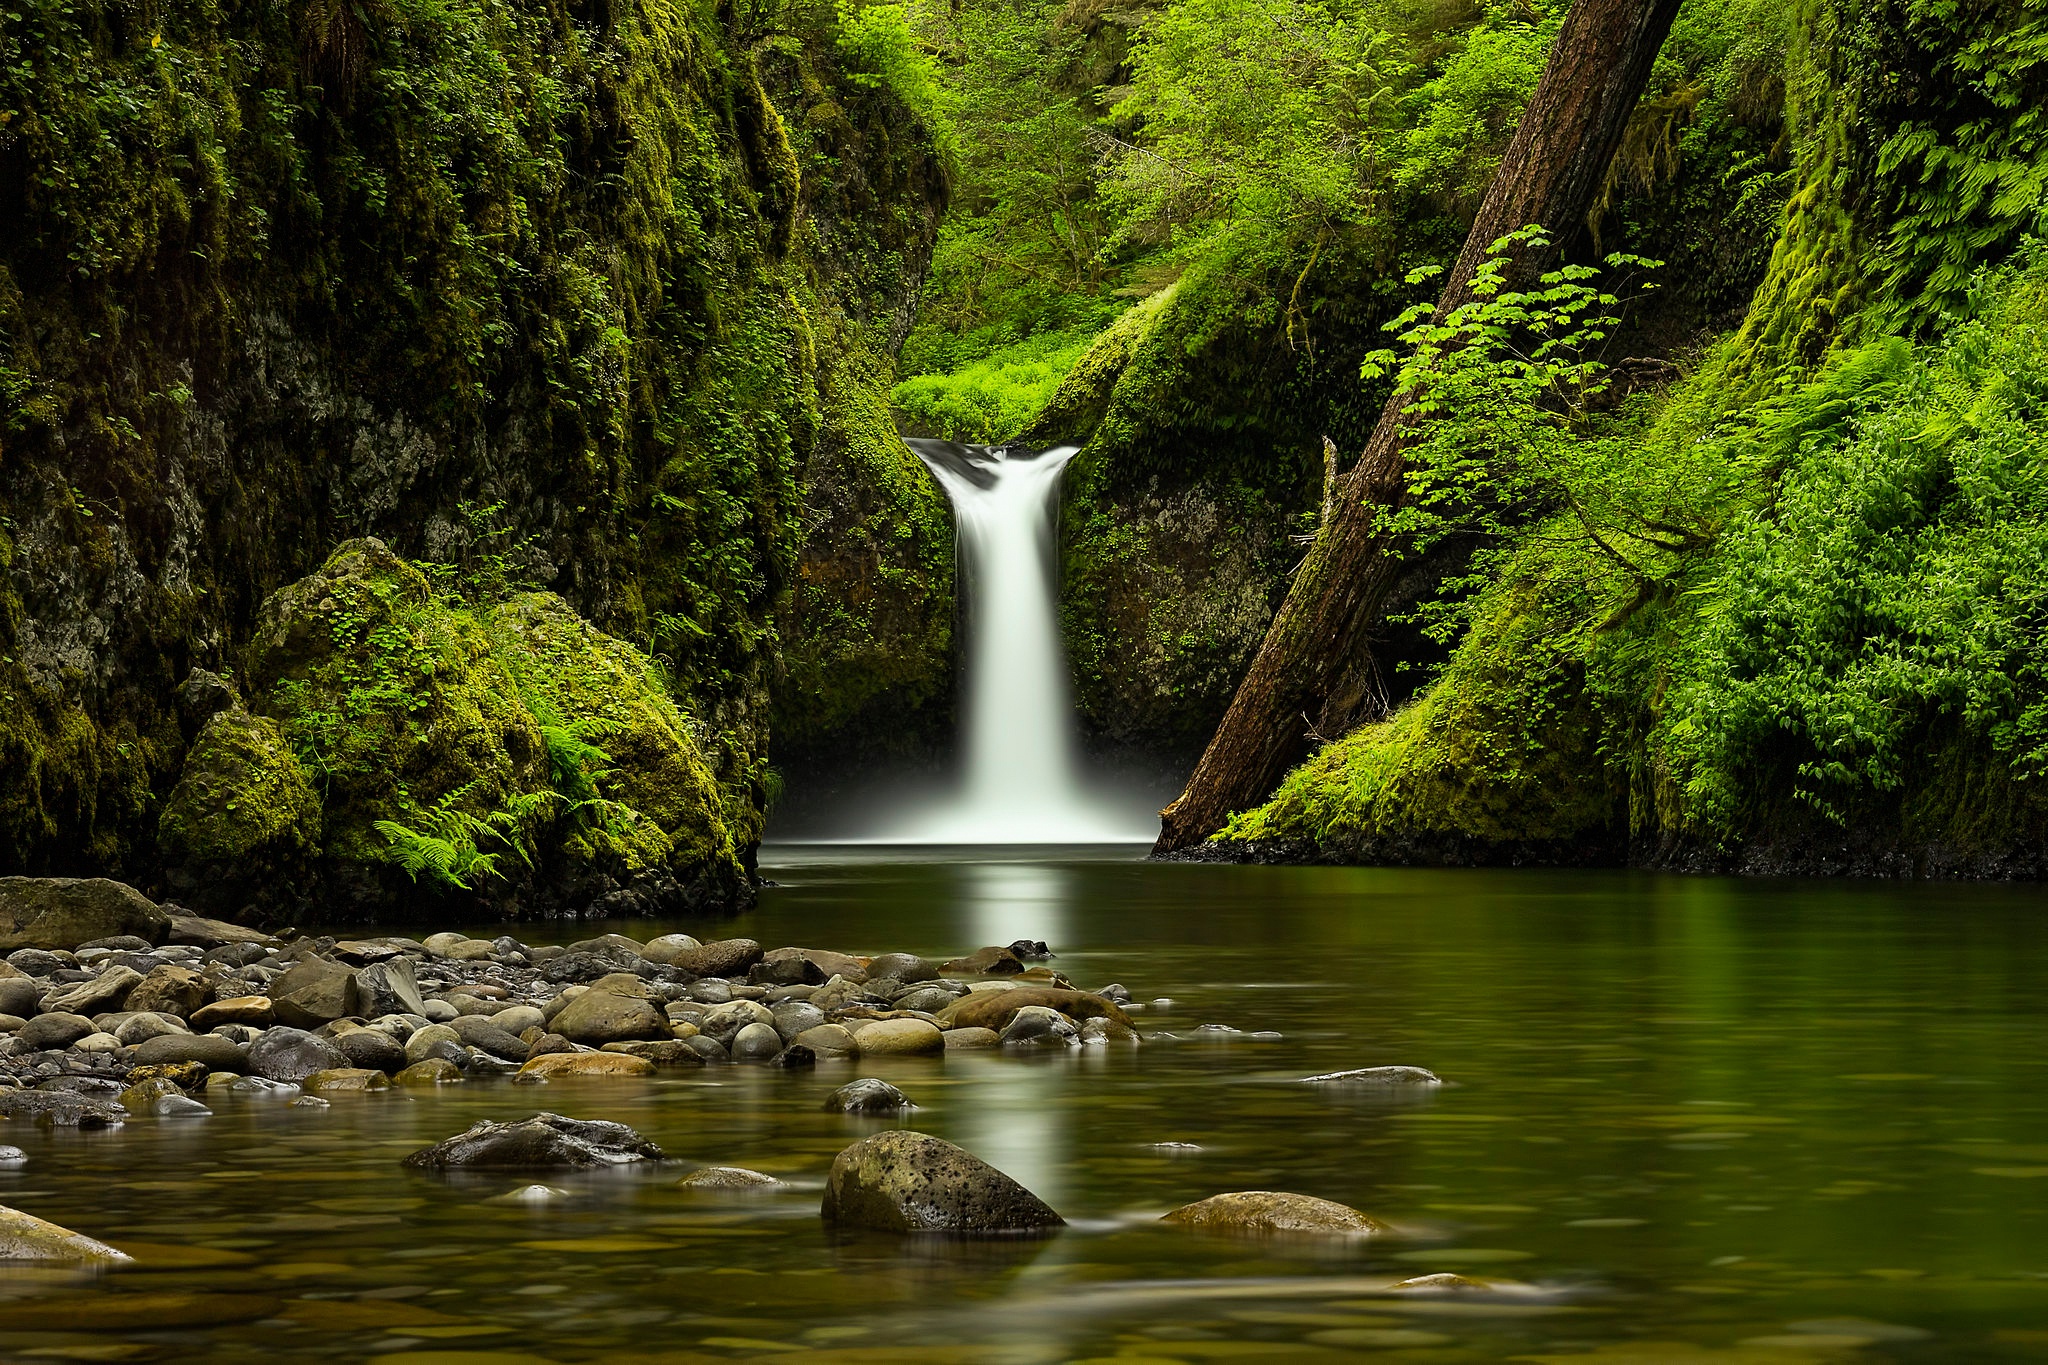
1021, 783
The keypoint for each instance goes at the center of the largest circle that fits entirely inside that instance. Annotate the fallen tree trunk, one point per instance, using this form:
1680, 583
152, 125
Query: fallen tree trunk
1312, 667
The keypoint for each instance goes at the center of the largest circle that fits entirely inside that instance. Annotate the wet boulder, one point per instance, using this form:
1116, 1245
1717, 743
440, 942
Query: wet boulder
899, 1038
1376, 1075
313, 991
727, 957
785, 967
289, 1054
727, 1178
170, 989
388, 987
994, 1009
1039, 1026
981, 962
104, 994
61, 1108
607, 1064
756, 1043
614, 1010
209, 1050
1257, 1212
910, 1182
867, 1096
794, 1017
371, 1049
64, 912
25, 1237
541, 1142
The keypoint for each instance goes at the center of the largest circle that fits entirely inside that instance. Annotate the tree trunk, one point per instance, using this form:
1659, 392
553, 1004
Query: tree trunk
1316, 657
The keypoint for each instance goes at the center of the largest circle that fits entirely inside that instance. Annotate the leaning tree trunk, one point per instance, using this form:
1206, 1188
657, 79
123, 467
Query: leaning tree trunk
1307, 672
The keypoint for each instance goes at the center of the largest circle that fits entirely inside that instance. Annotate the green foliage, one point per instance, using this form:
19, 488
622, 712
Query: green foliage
445, 849
991, 399
882, 50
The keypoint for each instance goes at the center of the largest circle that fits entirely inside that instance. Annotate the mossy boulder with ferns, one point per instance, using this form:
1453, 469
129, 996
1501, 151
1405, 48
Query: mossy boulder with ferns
508, 758
244, 816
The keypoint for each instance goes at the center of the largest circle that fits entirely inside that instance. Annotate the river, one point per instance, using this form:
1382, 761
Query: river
1685, 1120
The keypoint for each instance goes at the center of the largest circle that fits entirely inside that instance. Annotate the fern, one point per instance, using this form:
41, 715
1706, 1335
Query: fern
445, 851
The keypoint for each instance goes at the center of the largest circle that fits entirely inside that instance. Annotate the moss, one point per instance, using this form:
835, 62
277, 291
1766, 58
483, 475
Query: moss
256, 300
669, 813
383, 716
244, 818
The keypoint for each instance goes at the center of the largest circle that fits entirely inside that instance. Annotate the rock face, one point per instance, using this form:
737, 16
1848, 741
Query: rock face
25, 1237
541, 1142
63, 912
1264, 1211
910, 1182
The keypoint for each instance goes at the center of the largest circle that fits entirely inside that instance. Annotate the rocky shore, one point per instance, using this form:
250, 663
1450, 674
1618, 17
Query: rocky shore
111, 1005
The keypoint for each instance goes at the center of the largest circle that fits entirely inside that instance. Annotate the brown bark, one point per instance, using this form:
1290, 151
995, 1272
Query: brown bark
1316, 656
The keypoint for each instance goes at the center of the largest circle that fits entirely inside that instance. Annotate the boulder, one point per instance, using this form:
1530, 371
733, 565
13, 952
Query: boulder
724, 1022
905, 967
900, 1038
727, 957
971, 1039
793, 1017
63, 912
554, 1064
201, 932
61, 1108
994, 1009
925, 999
289, 1054
25, 1237
55, 1030
102, 995
388, 987
661, 1051
1039, 1025
253, 1010
981, 962
910, 1182
603, 1014
727, 1178
827, 1040
785, 967
432, 1071
20, 995
665, 948
372, 1049
139, 1097
756, 1043
867, 1096
518, 1019
243, 823
541, 1142
209, 1050
1100, 1030
312, 992
137, 1029
344, 1079
170, 989
1258, 1212
482, 1032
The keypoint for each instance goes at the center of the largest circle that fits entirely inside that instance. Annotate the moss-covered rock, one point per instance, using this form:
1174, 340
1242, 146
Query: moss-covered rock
408, 746
244, 817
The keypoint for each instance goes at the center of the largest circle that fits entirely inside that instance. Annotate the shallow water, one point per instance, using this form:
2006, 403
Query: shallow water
1699, 1120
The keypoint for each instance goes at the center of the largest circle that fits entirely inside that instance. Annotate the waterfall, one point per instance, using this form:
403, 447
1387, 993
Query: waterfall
1021, 782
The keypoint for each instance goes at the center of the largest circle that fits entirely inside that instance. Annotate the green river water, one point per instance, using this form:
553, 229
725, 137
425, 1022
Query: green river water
1689, 1120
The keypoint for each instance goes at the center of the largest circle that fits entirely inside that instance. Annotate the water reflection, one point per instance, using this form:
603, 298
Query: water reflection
1008, 901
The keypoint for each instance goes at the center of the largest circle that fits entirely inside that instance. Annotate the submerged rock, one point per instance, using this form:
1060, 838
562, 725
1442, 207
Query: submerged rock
61, 1109
911, 1182
25, 1237
1039, 1026
1267, 1211
727, 1178
867, 1096
539, 1142
1376, 1075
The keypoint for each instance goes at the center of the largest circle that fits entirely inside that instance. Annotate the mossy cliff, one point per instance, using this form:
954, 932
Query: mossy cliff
584, 292
1820, 650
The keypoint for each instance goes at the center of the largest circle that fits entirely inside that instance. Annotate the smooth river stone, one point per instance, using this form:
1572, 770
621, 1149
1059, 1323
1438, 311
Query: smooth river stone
727, 1178
911, 1182
25, 1237
1268, 1211
827, 1040
900, 1038
554, 1064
